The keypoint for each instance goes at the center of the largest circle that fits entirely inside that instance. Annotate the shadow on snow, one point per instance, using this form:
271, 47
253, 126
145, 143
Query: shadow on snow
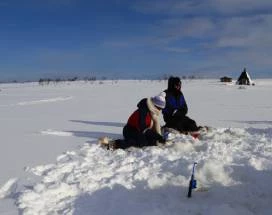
113, 124
170, 199
97, 134
118, 200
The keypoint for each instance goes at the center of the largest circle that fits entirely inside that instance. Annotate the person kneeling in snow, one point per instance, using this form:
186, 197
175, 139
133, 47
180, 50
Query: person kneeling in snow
143, 126
174, 113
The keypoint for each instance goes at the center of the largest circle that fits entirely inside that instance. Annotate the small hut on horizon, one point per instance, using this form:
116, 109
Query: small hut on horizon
226, 79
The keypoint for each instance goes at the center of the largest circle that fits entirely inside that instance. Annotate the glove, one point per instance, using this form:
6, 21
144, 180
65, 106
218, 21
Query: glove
165, 135
162, 140
168, 136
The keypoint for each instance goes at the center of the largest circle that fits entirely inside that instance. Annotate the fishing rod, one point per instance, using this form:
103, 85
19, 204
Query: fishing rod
192, 183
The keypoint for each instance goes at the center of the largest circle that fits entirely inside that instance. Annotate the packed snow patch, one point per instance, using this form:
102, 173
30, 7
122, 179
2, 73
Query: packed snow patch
57, 133
57, 99
9, 188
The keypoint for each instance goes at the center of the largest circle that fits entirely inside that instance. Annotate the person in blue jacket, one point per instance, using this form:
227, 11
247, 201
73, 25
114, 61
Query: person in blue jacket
175, 111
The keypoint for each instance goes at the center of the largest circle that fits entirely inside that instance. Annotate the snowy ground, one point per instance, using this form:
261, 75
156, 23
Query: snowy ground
50, 161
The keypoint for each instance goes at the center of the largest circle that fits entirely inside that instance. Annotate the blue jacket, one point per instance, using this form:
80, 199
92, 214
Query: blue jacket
175, 105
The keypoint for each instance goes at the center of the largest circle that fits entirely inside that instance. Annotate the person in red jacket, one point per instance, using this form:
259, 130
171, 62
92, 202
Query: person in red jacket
143, 126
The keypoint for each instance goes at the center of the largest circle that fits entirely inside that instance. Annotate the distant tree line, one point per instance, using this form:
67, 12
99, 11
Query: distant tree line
184, 77
92, 79
44, 81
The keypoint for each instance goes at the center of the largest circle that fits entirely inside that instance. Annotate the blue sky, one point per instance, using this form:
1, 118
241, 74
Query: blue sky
134, 38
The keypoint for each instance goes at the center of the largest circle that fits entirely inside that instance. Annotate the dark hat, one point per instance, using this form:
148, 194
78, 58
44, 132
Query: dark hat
172, 82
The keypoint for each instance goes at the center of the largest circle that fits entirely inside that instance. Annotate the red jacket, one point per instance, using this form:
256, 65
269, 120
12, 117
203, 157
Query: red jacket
141, 118
140, 122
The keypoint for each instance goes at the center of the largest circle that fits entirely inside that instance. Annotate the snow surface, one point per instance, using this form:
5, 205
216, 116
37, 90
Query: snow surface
50, 161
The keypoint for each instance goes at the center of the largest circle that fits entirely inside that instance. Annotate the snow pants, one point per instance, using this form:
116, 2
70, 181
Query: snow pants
135, 138
182, 123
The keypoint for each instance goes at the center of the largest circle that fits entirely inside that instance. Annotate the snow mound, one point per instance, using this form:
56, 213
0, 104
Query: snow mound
154, 180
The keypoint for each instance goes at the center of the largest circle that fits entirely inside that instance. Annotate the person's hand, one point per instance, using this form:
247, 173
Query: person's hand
168, 136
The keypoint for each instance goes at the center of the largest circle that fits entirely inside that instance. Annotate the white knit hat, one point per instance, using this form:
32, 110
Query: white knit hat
159, 100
